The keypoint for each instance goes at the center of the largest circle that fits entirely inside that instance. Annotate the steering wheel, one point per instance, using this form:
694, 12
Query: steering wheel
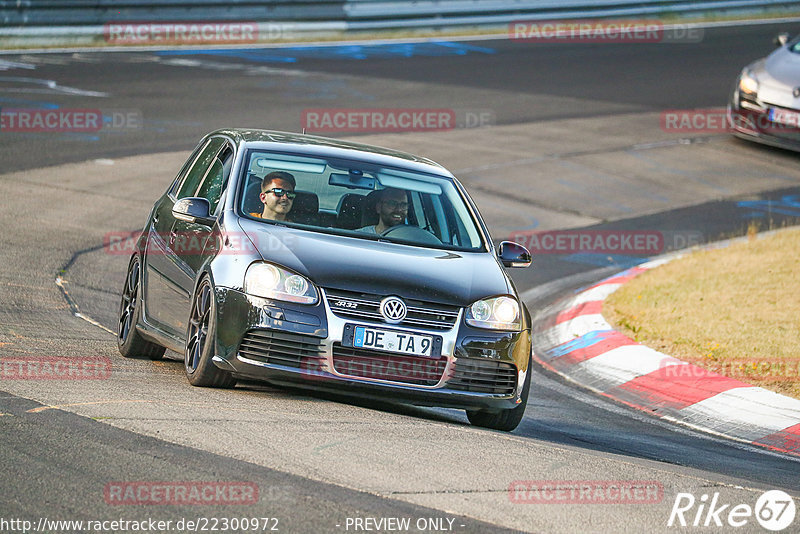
409, 232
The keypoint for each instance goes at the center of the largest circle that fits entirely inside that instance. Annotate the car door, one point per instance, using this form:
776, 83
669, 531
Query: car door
192, 243
166, 298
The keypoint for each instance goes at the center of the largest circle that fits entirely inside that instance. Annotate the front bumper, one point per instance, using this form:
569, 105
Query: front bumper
749, 119
298, 345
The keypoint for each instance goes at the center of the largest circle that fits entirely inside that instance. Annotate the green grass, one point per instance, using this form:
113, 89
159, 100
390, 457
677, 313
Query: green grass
735, 311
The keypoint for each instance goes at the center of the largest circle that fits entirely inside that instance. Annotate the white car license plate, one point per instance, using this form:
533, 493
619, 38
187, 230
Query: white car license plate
393, 341
785, 116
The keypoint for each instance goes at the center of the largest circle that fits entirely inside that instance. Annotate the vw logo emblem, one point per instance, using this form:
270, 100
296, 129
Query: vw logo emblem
796, 92
393, 310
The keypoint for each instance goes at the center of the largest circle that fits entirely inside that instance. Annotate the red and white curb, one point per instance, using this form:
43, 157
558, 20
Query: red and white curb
574, 340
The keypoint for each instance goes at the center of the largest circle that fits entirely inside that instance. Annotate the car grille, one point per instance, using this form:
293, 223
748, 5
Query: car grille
281, 348
484, 376
365, 306
363, 363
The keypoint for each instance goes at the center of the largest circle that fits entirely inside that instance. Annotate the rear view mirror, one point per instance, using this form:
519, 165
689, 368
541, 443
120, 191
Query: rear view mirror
352, 180
193, 210
514, 255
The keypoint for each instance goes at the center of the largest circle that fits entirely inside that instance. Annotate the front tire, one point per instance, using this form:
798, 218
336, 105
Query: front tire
201, 339
130, 342
505, 420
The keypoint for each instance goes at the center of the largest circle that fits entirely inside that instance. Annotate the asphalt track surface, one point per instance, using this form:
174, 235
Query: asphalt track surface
185, 96
319, 459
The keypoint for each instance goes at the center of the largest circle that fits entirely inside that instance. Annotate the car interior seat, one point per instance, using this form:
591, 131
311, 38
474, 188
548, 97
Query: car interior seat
349, 216
305, 209
252, 201
369, 216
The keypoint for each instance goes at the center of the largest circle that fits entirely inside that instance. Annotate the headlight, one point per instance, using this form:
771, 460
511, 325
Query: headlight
498, 313
272, 282
748, 83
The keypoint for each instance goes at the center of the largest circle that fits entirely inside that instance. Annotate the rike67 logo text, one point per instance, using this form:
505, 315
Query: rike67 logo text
774, 510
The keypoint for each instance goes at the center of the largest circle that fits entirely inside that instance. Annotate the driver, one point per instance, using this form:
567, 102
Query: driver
277, 195
392, 208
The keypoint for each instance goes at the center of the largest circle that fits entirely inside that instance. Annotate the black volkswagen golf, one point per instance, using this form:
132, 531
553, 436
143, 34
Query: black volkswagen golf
308, 261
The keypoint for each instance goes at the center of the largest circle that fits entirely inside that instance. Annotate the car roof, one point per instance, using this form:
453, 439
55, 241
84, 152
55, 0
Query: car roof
335, 148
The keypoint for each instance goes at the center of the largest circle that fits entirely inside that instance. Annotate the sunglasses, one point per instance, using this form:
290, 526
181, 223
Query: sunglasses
279, 192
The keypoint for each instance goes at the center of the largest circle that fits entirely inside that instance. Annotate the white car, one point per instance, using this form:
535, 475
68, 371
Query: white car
765, 103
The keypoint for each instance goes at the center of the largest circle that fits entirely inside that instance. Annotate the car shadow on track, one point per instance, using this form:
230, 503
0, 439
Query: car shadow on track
301, 393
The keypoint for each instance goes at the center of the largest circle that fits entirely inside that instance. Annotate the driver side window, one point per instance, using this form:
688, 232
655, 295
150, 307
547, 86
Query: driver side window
216, 178
195, 175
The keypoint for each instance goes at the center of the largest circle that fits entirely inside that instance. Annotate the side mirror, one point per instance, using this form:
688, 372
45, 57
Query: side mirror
193, 210
781, 39
513, 254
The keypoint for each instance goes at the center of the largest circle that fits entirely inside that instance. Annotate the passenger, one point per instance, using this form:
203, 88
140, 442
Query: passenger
392, 209
277, 194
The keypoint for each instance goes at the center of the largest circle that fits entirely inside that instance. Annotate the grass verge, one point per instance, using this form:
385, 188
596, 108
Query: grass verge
735, 311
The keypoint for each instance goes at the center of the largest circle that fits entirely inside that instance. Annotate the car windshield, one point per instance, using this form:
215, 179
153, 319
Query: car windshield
361, 200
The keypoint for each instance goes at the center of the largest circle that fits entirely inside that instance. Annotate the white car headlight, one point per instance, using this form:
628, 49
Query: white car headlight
270, 281
748, 83
498, 313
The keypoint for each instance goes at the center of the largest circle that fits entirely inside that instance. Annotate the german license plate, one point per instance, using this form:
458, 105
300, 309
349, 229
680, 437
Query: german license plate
393, 341
785, 116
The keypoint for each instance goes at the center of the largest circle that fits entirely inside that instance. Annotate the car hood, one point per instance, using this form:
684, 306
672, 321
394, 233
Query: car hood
783, 67
778, 75
363, 265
